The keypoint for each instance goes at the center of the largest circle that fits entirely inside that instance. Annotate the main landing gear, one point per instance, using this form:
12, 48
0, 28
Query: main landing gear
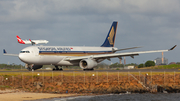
57, 69
89, 69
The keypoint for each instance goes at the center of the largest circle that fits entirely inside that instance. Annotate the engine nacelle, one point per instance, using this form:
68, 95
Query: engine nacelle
87, 64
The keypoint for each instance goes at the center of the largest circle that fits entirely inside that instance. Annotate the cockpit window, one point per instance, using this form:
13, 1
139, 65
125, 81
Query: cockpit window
24, 52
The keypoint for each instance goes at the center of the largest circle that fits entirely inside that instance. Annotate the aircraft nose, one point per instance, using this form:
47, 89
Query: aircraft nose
22, 57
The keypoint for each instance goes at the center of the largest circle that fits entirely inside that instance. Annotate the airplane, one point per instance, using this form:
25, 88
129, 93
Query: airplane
85, 57
31, 41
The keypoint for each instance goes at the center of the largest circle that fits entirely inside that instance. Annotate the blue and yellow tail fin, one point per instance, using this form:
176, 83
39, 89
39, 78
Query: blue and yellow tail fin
110, 39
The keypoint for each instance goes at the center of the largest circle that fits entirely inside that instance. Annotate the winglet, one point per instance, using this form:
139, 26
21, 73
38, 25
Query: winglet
173, 47
32, 42
4, 51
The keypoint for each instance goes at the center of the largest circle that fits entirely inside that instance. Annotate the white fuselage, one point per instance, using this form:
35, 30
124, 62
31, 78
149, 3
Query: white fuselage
36, 41
54, 55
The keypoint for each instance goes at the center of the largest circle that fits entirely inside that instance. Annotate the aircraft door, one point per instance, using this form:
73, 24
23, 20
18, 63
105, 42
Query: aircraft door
36, 52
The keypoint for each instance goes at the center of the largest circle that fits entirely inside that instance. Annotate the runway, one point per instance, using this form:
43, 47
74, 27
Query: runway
128, 70
123, 70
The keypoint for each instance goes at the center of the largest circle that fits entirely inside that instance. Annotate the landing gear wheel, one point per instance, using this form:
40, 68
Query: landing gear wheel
29, 69
57, 69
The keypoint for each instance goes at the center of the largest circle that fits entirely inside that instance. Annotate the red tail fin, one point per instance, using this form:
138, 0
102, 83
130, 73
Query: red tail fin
20, 40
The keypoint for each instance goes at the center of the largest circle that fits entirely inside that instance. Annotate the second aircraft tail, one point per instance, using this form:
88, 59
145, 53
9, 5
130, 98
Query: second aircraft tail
20, 40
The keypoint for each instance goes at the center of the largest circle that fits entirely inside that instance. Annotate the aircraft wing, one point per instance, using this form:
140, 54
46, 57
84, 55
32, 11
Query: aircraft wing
5, 53
107, 56
124, 49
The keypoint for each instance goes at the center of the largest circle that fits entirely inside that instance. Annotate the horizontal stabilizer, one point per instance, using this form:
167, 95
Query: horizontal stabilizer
5, 53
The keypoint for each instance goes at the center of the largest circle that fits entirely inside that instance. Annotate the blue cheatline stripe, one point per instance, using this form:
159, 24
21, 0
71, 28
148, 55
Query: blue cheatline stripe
74, 51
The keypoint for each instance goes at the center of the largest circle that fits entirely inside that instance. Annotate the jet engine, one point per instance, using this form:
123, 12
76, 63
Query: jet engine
87, 64
32, 67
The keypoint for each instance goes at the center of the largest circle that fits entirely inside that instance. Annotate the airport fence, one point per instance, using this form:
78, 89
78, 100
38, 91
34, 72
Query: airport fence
58, 80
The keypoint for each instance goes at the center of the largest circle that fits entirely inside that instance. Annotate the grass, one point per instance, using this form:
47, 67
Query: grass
82, 73
172, 66
75, 73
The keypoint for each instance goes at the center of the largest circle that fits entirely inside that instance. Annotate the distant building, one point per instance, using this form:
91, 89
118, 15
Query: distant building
172, 63
129, 67
158, 61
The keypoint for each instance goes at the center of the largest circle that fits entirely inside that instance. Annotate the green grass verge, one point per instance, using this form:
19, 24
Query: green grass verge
172, 66
36, 74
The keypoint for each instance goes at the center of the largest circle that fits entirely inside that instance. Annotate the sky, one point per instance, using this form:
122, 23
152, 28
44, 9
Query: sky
152, 24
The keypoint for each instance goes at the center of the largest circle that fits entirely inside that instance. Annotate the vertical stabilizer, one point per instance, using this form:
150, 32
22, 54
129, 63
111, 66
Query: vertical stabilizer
4, 51
110, 39
20, 40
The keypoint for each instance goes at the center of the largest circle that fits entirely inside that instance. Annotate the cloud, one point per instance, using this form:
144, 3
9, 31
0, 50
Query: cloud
152, 6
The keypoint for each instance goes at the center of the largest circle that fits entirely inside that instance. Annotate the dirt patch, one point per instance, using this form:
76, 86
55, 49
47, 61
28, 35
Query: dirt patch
102, 84
21, 96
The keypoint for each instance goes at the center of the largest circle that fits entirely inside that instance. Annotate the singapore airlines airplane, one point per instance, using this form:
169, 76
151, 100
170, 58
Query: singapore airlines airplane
85, 57
30, 41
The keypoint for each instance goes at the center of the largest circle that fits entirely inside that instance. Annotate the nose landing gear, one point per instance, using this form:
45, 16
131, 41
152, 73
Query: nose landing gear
32, 67
29, 68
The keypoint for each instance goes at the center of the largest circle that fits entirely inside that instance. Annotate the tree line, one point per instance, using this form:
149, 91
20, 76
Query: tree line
147, 64
11, 66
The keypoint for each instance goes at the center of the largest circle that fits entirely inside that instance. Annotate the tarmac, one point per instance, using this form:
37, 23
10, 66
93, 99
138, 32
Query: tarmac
122, 70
